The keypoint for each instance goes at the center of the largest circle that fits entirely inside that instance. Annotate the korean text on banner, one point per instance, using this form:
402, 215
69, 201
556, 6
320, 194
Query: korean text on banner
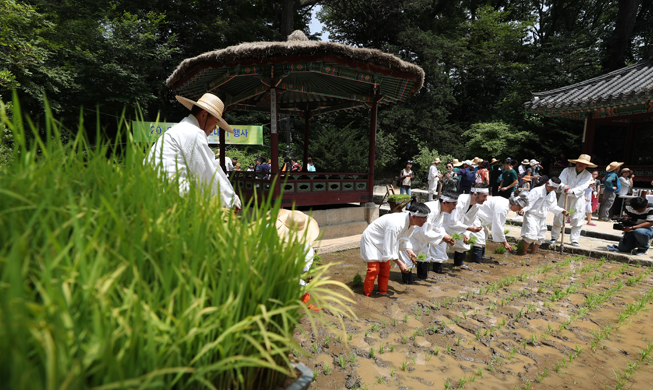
243, 134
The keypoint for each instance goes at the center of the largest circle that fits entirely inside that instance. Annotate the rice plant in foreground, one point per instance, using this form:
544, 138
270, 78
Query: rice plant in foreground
110, 279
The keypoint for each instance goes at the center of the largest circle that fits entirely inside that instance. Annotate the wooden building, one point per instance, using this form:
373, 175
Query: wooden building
616, 110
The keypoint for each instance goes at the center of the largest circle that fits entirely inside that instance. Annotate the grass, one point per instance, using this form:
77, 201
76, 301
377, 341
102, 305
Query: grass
109, 277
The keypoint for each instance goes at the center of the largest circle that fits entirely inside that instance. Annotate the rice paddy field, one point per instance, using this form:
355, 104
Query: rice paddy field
515, 322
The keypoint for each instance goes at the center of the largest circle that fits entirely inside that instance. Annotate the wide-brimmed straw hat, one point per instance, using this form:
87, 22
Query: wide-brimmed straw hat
477, 160
526, 161
211, 104
528, 177
294, 224
626, 170
437, 160
494, 160
456, 163
613, 165
467, 162
584, 159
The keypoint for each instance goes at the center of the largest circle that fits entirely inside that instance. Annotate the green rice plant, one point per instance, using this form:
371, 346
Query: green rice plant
351, 336
458, 341
339, 339
315, 349
404, 340
405, 318
379, 379
421, 257
479, 372
358, 280
472, 240
500, 250
457, 236
462, 381
381, 349
404, 365
372, 353
412, 359
398, 198
352, 358
447, 384
326, 341
391, 348
341, 360
110, 278
428, 357
375, 327
327, 369
394, 322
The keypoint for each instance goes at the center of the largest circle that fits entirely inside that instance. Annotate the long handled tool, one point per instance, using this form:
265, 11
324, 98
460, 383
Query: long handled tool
564, 219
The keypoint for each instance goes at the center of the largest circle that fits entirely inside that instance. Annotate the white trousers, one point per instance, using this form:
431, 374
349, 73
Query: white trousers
438, 253
577, 218
533, 229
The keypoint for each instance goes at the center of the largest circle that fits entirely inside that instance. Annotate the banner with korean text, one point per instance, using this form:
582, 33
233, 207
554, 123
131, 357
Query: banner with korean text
243, 134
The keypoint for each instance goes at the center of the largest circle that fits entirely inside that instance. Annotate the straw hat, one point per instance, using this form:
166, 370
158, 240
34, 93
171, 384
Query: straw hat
293, 223
456, 163
526, 161
437, 160
494, 160
626, 170
613, 165
477, 160
584, 159
534, 162
528, 177
211, 104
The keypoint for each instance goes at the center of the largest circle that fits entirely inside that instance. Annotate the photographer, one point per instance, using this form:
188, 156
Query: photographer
636, 226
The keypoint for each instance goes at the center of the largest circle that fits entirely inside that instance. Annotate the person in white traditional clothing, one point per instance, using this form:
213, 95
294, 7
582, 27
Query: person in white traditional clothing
380, 244
430, 234
575, 181
464, 220
183, 151
434, 178
493, 214
541, 200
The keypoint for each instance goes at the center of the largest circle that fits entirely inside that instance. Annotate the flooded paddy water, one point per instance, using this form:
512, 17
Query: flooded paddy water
530, 322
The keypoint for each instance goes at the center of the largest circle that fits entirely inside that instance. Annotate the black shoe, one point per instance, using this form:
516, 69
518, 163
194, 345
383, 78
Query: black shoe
437, 268
458, 258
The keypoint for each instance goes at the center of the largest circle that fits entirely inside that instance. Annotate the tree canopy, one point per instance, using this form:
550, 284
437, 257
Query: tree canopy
482, 61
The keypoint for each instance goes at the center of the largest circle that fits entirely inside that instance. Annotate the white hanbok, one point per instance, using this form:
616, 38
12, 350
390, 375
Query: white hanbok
183, 152
462, 217
578, 183
540, 202
308, 261
433, 179
380, 240
492, 214
429, 234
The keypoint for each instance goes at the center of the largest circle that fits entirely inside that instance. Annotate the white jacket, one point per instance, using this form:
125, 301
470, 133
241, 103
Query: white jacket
540, 202
494, 212
183, 152
380, 240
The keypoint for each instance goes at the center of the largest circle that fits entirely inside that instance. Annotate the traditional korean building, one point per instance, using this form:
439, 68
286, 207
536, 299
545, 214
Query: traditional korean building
615, 111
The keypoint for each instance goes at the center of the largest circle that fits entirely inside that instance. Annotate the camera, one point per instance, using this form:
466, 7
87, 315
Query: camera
622, 223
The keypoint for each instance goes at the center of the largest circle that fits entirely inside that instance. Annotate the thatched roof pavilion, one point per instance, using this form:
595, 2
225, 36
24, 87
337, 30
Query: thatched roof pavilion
301, 78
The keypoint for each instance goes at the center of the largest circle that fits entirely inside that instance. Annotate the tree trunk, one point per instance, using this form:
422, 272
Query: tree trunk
619, 42
287, 18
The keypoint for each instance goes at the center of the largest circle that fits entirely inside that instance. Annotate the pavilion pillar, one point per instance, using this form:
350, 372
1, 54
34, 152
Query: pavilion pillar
588, 135
223, 151
274, 136
307, 130
370, 175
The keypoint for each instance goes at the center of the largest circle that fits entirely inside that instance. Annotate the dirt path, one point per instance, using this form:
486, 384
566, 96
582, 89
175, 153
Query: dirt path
542, 321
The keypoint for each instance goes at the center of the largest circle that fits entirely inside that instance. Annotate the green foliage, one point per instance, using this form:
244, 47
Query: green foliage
495, 139
500, 249
111, 278
424, 159
398, 198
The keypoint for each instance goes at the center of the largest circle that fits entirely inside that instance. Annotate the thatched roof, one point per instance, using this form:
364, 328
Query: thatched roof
298, 45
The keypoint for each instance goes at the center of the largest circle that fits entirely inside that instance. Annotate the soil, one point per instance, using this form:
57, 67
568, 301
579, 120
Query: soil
526, 322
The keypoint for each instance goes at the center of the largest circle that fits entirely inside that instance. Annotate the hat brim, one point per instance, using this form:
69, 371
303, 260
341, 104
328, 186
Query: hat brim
609, 169
189, 105
589, 164
457, 164
311, 229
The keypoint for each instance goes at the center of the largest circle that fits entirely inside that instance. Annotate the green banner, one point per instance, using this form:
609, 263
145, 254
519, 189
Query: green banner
243, 135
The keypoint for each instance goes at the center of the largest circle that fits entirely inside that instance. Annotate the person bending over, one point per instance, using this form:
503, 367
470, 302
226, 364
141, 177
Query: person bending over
541, 200
464, 220
493, 214
380, 244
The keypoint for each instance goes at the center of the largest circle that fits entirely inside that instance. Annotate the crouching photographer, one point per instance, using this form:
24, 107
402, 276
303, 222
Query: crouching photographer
636, 226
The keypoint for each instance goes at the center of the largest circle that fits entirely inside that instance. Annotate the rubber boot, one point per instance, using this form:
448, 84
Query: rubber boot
437, 268
534, 248
458, 258
477, 254
524, 247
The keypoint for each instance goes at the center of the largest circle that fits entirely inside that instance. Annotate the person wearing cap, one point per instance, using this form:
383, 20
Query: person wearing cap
380, 244
431, 234
464, 220
611, 189
433, 178
509, 179
493, 214
406, 177
467, 177
183, 152
541, 200
536, 168
575, 181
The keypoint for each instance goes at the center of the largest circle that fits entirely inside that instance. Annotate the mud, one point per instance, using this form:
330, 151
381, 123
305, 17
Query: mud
524, 322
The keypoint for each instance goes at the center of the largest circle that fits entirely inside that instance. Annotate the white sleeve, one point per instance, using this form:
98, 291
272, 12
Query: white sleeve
579, 190
204, 161
455, 221
390, 245
498, 223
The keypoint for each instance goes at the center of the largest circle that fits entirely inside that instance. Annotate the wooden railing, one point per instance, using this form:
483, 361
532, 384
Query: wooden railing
304, 188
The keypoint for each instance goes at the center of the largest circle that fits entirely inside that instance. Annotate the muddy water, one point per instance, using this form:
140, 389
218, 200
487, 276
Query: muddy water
442, 331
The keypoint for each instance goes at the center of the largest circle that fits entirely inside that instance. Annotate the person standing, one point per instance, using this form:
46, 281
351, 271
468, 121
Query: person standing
509, 179
296, 167
450, 180
541, 200
495, 172
380, 244
575, 181
612, 185
251, 168
183, 152
483, 174
536, 168
464, 220
309, 165
590, 197
626, 181
467, 177
456, 165
523, 167
264, 167
433, 178
406, 177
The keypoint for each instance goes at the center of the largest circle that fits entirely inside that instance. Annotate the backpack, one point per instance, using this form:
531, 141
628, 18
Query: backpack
468, 177
479, 178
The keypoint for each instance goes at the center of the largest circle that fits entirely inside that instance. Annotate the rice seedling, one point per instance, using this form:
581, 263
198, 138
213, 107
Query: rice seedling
379, 379
391, 348
479, 372
326, 341
428, 357
381, 349
404, 339
447, 384
462, 381
449, 348
375, 327
339, 339
341, 360
457, 236
394, 322
327, 369
412, 359
352, 358
436, 351
405, 318
392, 372
372, 353
458, 341
358, 280
500, 250
351, 336
404, 365
112, 278
315, 348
